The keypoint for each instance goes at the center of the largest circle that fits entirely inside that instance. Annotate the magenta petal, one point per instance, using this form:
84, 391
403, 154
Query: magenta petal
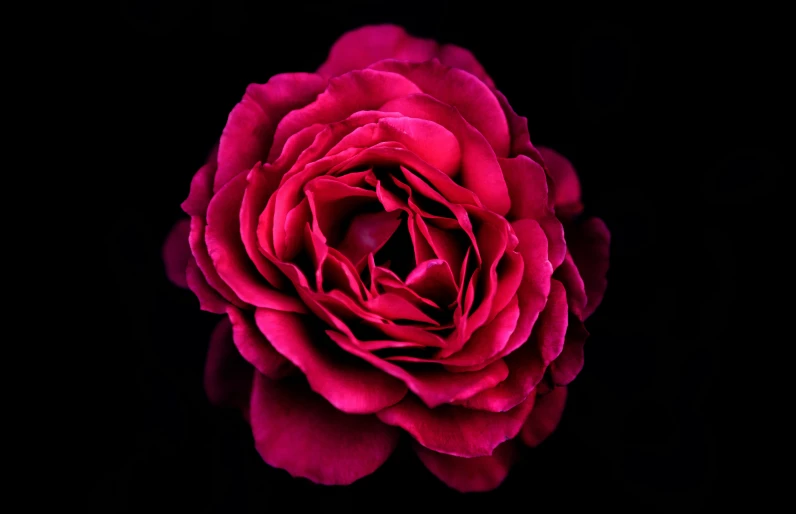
569, 275
227, 377
434, 280
567, 185
229, 255
201, 187
544, 417
254, 347
458, 57
455, 430
366, 234
518, 128
205, 263
527, 186
556, 243
209, 299
476, 474
362, 47
351, 386
490, 339
590, 244
250, 128
300, 432
568, 364
177, 252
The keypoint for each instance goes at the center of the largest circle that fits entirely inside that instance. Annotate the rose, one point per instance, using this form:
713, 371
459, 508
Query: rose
392, 255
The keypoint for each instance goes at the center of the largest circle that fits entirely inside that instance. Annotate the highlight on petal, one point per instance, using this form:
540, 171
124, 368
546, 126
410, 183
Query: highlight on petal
456, 430
590, 245
458, 57
349, 384
177, 252
296, 430
476, 474
544, 417
227, 377
567, 186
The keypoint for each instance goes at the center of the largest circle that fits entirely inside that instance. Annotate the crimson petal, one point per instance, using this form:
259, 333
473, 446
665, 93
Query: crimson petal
544, 417
476, 474
567, 186
254, 347
227, 377
590, 244
177, 252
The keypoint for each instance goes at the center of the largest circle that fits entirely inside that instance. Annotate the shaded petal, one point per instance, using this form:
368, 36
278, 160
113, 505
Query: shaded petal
568, 364
362, 47
227, 377
527, 186
458, 57
567, 186
556, 243
350, 385
544, 417
458, 88
569, 275
518, 128
433, 279
254, 347
366, 234
201, 187
476, 474
176, 252
300, 432
229, 255
250, 127
455, 430
209, 299
196, 239
590, 245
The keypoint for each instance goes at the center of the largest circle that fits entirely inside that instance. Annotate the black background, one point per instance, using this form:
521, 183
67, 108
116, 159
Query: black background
666, 121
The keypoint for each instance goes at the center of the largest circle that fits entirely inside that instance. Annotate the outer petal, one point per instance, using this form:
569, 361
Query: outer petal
568, 364
544, 417
300, 432
209, 299
227, 377
254, 347
201, 187
177, 252
457, 57
455, 430
250, 128
590, 244
350, 385
362, 47
567, 185
477, 474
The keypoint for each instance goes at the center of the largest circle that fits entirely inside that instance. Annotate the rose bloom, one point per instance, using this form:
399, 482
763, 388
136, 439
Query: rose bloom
393, 258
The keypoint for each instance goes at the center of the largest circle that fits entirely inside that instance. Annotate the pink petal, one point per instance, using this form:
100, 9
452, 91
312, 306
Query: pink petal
201, 187
544, 417
395, 307
300, 432
250, 128
569, 275
196, 239
355, 91
567, 185
458, 88
480, 170
476, 474
527, 186
556, 243
177, 252
458, 57
455, 430
209, 299
362, 47
568, 364
489, 340
227, 377
433, 279
590, 244
351, 386
229, 255
366, 234
254, 347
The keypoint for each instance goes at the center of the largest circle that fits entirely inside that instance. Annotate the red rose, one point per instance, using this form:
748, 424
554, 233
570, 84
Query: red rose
393, 256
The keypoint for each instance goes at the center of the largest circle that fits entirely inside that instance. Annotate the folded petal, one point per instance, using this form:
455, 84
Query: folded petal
544, 417
209, 299
476, 474
227, 377
298, 431
254, 347
349, 384
567, 186
590, 245
455, 430
251, 124
569, 275
569, 362
527, 186
201, 187
177, 252
518, 130
458, 57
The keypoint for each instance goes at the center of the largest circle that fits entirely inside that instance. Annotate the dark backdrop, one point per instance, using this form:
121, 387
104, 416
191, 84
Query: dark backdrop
645, 107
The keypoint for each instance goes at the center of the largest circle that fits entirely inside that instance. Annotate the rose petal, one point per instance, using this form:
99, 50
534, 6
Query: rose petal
433, 279
177, 252
351, 386
568, 364
567, 185
300, 432
544, 417
355, 91
196, 239
556, 243
201, 187
518, 128
367, 234
590, 244
250, 128
569, 275
227, 377
209, 299
455, 430
458, 88
362, 47
255, 348
476, 474
229, 255
458, 57
527, 186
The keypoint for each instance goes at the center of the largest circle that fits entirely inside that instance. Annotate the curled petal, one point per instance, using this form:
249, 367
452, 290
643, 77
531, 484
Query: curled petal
567, 186
298, 431
569, 275
544, 417
476, 474
209, 299
177, 252
254, 347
